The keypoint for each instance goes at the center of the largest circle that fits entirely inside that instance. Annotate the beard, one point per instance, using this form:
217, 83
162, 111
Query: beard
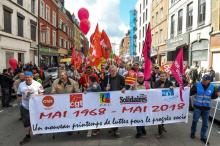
140, 82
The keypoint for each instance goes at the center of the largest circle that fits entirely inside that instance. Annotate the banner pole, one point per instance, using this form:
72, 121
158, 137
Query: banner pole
213, 118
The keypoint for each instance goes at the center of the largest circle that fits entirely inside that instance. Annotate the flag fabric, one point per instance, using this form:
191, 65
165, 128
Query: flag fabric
178, 71
146, 52
106, 45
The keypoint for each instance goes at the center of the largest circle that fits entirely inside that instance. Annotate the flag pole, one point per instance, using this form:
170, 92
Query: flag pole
213, 118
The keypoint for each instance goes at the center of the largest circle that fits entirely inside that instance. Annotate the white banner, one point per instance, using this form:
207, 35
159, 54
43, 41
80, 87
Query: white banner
74, 112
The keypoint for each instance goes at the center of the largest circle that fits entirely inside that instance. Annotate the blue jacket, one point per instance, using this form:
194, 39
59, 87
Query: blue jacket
203, 97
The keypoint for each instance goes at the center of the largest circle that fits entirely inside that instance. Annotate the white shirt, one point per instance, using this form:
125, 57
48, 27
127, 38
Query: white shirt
26, 91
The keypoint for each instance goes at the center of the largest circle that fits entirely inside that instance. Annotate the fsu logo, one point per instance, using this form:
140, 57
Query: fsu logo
76, 101
104, 99
48, 101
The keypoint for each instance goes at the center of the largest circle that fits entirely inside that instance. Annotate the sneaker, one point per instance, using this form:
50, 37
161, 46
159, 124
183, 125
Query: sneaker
192, 136
89, 133
144, 132
204, 141
25, 140
138, 135
116, 134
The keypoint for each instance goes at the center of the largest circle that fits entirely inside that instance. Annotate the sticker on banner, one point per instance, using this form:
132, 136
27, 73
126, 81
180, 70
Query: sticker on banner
76, 101
104, 99
48, 102
168, 92
139, 99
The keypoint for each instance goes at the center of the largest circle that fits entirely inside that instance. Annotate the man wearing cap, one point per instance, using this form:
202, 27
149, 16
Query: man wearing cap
204, 91
26, 90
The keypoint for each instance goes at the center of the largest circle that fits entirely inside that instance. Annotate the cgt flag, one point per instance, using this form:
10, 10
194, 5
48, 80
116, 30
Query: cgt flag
178, 71
146, 52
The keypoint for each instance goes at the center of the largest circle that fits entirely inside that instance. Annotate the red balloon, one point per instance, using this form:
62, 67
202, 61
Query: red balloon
13, 63
85, 26
83, 13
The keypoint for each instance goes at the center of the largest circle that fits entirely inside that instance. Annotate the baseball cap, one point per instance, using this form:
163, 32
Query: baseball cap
206, 77
28, 73
140, 75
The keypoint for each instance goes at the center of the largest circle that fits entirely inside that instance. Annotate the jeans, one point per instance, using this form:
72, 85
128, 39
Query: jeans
140, 129
205, 119
6, 97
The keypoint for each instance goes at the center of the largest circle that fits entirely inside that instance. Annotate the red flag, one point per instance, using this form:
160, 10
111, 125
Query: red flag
106, 45
177, 71
73, 56
146, 54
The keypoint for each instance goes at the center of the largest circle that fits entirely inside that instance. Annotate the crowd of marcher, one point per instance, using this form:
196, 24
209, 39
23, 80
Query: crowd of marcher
28, 79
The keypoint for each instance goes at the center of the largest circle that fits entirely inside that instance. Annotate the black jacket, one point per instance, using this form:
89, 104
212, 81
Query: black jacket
5, 81
116, 83
167, 84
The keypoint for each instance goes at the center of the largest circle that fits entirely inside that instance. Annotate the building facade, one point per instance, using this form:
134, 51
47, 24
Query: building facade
143, 8
48, 41
189, 27
125, 46
215, 38
133, 36
159, 24
18, 31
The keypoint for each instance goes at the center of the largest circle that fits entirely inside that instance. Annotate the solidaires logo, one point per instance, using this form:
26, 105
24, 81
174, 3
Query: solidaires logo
139, 99
168, 92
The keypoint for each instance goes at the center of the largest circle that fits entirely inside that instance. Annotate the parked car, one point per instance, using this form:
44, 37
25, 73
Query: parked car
217, 116
53, 71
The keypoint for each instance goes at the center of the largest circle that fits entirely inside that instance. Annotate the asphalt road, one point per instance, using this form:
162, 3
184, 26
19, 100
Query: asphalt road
11, 132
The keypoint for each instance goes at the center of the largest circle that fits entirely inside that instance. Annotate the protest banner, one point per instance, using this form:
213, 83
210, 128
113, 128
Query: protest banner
96, 110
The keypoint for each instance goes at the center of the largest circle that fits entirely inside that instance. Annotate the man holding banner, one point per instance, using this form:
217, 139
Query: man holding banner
204, 91
163, 82
26, 90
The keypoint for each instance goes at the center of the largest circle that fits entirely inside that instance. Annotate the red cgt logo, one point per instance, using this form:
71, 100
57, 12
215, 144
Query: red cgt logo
76, 101
48, 101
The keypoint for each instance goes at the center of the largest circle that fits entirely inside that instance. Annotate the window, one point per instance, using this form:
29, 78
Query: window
180, 21
60, 24
64, 42
64, 27
54, 38
33, 30
60, 42
33, 6
172, 26
201, 11
143, 32
143, 4
7, 19
161, 13
146, 2
143, 17
140, 8
54, 19
161, 36
139, 34
140, 22
20, 25
146, 14
20, 2
47, 13
156, 38
189, 15
21, 57
156, 18
42, 14
48, 35
43, 36
152, 20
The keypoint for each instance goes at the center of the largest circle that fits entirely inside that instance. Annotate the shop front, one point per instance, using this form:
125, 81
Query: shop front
200, 53
173, 46
215, 54
48, 56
